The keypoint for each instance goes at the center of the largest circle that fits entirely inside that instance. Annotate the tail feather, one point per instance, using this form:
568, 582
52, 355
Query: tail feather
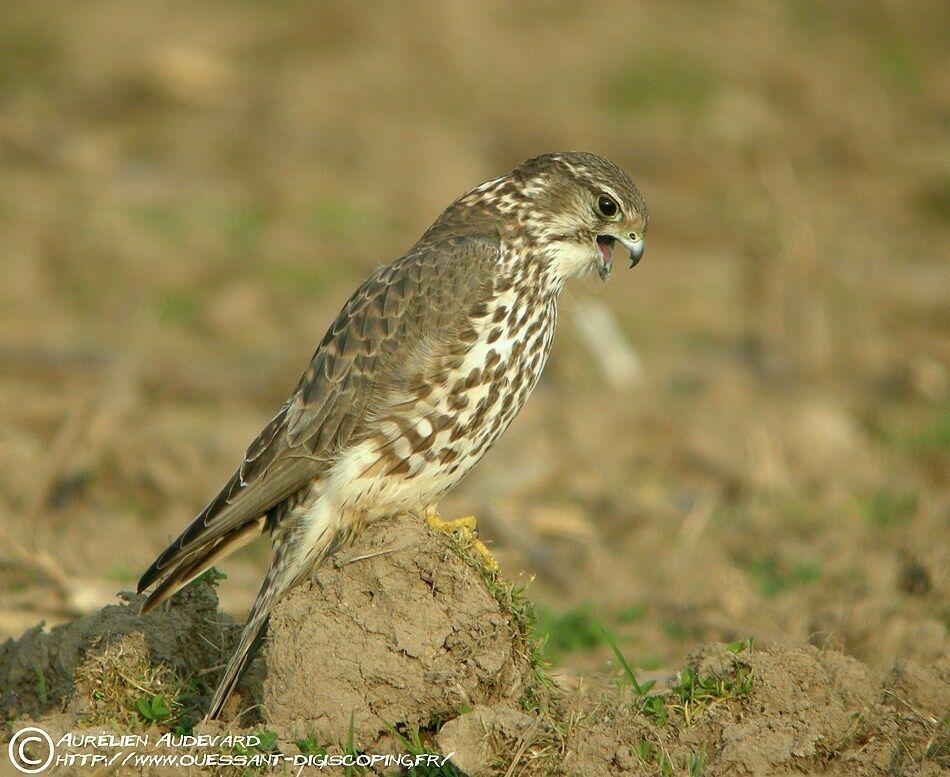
292, 561
251, 637
193, 564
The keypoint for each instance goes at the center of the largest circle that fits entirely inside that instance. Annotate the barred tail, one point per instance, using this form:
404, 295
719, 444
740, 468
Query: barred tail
186, 567
297, 550
251, 637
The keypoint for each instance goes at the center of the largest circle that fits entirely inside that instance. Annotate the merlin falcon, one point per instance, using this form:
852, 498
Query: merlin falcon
426, 365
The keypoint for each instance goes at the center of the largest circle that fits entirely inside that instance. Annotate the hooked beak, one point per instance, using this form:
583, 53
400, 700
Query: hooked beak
605, 243
634, 244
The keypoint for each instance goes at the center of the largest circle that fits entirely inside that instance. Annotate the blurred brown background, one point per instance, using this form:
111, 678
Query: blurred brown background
190, 191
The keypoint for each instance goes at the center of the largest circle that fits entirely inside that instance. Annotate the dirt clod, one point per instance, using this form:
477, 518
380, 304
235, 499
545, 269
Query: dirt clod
407, 636
472, 740
811, 711
40, 670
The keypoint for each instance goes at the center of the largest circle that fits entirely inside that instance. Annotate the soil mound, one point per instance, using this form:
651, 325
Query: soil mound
407, 645
401, 631
802, 711
170, 646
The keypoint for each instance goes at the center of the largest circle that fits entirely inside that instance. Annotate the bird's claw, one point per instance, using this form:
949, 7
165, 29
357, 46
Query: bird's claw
467, 529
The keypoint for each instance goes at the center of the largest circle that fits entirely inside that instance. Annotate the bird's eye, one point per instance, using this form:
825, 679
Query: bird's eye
607, 207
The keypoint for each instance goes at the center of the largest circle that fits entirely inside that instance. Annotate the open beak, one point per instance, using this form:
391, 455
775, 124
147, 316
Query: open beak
635, 246
605, 243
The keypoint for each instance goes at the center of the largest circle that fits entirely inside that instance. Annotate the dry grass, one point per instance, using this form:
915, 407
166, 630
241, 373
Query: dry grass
123, 690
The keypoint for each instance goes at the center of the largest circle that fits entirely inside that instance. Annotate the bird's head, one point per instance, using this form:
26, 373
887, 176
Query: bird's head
577, 206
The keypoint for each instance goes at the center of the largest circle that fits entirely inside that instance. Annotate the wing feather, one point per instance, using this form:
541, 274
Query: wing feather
407, 311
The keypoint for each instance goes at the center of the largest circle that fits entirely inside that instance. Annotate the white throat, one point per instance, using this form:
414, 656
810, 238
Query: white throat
570, 259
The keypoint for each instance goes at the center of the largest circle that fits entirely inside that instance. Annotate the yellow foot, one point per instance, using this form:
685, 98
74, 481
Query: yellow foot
467, 528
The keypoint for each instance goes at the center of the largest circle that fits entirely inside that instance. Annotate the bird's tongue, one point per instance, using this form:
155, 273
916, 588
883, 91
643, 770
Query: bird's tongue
605, 250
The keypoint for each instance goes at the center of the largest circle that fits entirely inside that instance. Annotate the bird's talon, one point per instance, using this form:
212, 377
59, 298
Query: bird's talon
466, 522
487, 558
466, 527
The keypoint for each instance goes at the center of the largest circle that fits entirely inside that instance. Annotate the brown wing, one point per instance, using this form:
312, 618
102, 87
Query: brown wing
406, 313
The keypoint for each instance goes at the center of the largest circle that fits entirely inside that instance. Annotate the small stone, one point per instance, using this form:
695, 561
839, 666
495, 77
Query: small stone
470, 739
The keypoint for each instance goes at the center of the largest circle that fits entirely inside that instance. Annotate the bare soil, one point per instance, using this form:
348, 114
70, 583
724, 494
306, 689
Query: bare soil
406, 637
417, 639
746, 436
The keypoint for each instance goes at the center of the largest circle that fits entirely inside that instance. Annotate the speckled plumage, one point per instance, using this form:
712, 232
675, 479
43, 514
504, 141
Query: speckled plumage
426, 365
